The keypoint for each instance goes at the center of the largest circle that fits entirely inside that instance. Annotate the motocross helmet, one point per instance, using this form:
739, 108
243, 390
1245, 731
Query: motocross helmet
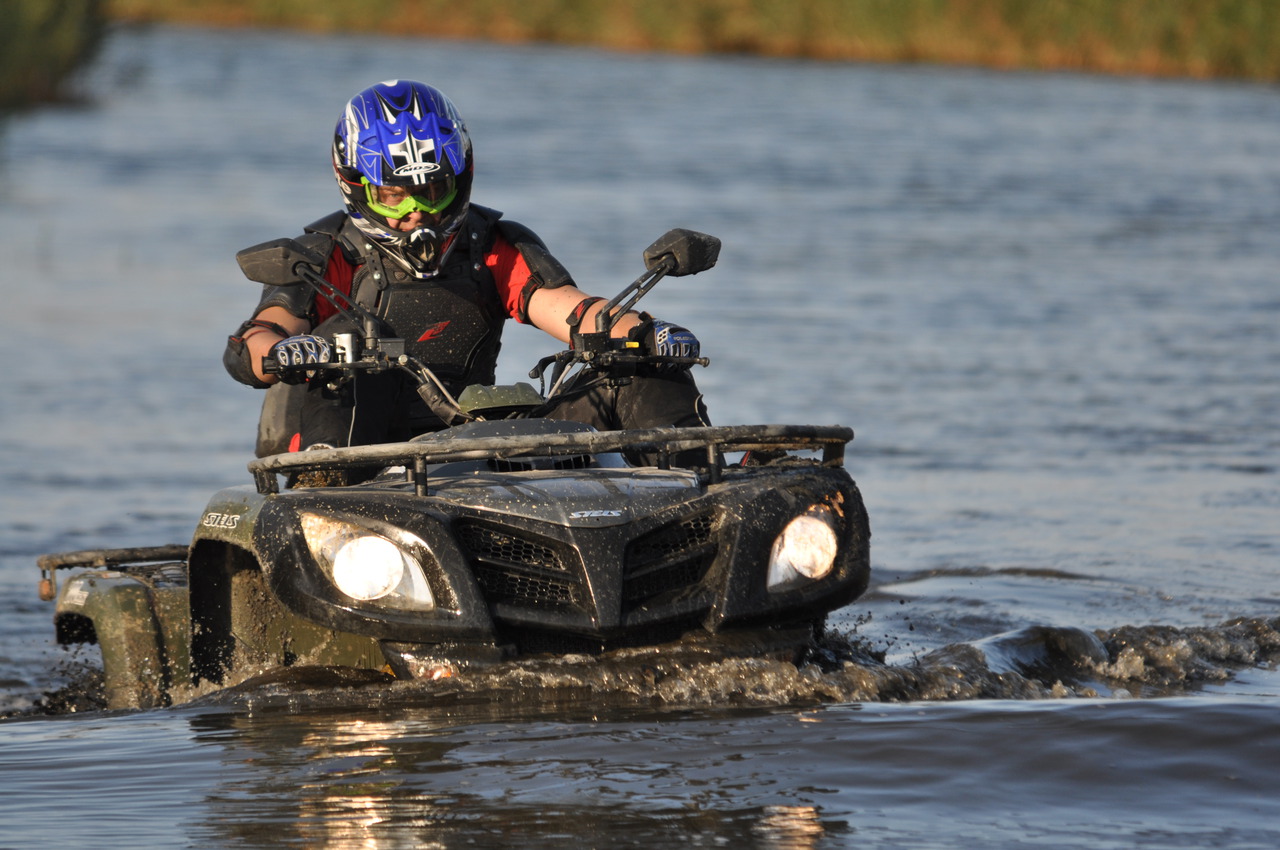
400, 147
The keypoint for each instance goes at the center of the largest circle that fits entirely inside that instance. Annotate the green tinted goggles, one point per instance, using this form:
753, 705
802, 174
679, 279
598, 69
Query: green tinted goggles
399, 201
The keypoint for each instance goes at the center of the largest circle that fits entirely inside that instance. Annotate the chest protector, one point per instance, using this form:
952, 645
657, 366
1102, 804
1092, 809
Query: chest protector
452, 322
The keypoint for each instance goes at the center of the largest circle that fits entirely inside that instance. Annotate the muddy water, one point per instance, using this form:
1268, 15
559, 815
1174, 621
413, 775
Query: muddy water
1047, 305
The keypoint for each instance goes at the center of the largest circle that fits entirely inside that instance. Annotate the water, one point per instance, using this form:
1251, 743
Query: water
1046, 303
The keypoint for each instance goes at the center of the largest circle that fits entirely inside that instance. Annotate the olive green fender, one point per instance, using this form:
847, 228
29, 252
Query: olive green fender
140, 621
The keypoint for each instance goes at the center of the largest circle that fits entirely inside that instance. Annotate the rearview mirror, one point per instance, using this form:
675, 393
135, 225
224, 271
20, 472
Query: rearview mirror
682, 252
276, 262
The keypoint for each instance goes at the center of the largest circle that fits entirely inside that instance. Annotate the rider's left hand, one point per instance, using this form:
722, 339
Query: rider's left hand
664, 339
670, 340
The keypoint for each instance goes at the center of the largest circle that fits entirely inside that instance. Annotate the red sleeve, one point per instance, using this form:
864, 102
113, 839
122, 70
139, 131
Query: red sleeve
339, 273
511, 275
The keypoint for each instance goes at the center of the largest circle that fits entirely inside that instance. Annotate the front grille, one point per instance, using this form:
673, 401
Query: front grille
503, 584
671, 540
507, 546
517, 568
668, 565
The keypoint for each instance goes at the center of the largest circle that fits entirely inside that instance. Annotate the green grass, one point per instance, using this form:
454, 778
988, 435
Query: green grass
1195, 38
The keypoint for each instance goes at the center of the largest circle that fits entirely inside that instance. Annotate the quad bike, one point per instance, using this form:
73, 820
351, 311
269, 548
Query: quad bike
501, 537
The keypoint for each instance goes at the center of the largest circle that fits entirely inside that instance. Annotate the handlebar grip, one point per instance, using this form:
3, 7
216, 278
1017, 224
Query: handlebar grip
678, 361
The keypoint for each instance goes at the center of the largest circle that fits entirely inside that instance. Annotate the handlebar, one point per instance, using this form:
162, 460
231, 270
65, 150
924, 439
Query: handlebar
376, 358
615, 360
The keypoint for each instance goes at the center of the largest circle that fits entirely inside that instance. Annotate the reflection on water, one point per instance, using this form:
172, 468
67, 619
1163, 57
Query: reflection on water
415, 781
1067, 773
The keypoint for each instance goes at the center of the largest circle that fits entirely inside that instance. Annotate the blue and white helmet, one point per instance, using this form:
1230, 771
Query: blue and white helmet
401, 149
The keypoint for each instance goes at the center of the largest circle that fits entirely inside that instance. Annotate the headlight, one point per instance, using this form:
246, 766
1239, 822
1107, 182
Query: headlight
805, 550
367, 566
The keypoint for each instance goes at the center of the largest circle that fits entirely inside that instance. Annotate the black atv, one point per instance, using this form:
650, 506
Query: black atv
501, 537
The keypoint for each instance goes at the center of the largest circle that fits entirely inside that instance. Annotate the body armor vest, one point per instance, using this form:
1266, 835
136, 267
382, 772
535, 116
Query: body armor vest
452, 322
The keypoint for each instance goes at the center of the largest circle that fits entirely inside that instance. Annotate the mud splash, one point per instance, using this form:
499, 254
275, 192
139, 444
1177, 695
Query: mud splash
1034, 663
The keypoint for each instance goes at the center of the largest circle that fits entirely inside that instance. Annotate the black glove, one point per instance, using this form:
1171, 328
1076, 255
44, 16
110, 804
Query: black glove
664, 339
299, 351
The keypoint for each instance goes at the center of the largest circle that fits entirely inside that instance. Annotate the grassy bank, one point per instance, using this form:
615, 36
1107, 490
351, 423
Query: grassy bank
1192, 38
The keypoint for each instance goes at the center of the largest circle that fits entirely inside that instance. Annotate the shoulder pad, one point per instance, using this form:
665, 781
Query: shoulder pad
322, 235
330, 224
489, 214
321, 243
547, 270
519, 235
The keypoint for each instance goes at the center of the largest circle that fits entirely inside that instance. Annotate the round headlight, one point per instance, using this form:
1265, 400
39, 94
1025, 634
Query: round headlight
368, 568
806, 549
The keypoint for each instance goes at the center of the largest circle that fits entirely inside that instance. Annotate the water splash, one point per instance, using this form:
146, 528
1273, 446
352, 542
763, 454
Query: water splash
1034, 663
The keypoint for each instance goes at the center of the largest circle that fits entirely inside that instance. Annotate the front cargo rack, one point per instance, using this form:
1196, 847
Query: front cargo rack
417, 455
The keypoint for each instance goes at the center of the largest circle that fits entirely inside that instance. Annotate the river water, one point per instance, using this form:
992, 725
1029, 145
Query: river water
1047, 304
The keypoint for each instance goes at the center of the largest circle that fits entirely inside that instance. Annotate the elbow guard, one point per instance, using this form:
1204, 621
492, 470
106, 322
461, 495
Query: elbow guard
235, 359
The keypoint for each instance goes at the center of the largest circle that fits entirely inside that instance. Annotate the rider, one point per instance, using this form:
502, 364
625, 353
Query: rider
443, 274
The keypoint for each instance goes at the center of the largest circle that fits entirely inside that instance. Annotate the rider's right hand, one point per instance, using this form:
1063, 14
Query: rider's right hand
300, 350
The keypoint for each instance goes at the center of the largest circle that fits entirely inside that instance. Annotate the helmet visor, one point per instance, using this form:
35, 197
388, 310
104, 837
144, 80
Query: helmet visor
399, 201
